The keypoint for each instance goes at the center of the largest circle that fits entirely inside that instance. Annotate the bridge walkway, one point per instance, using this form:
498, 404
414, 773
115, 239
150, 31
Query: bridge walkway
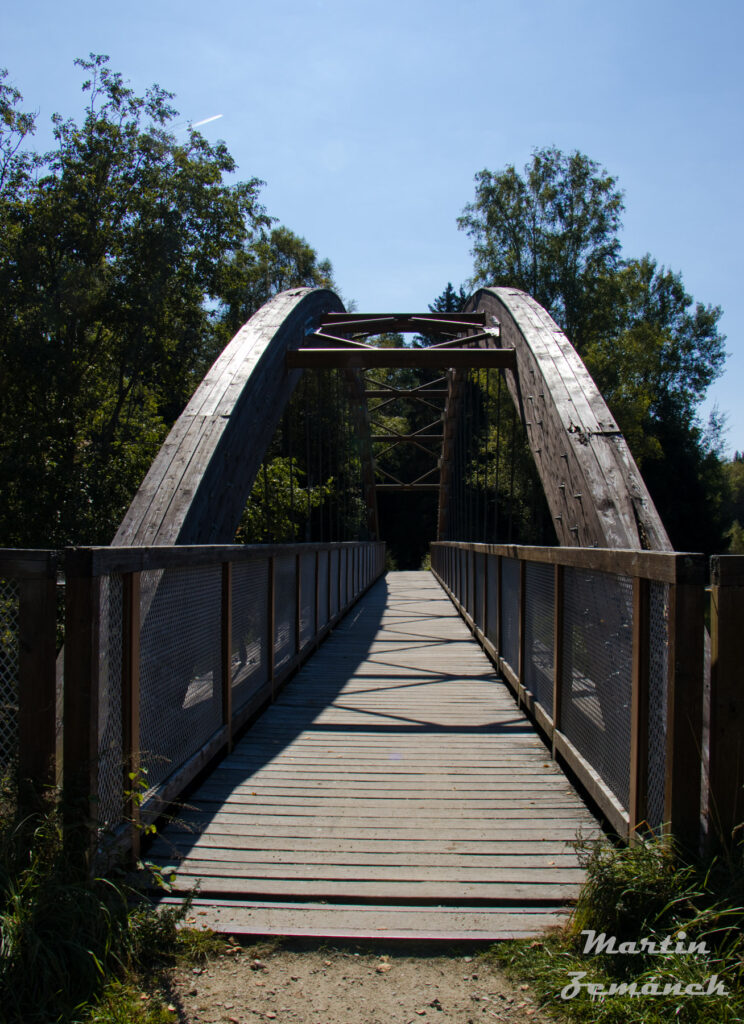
394, 789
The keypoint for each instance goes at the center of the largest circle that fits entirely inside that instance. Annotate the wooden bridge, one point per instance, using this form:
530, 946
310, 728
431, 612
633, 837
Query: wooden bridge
409, 754
394, 786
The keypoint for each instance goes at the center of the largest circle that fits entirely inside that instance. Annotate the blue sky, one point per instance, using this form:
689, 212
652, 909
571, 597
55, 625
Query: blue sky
369, 120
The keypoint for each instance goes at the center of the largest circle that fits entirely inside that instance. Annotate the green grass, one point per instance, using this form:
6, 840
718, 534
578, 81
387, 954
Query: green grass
121, 1003
63, 934
644, 891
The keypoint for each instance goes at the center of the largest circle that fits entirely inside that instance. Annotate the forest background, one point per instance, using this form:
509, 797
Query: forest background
129, 257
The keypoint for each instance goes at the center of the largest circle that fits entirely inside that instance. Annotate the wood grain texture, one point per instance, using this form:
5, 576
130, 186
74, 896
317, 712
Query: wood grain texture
573, 437
196, 488
394, 770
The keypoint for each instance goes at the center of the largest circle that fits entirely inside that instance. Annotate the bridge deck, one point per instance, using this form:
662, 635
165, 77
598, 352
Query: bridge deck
394, 789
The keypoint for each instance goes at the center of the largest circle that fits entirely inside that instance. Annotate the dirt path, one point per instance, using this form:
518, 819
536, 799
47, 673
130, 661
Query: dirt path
342, 985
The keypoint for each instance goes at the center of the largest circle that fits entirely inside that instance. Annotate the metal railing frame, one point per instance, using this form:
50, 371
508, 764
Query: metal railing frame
40, 762
39, 759
453, 563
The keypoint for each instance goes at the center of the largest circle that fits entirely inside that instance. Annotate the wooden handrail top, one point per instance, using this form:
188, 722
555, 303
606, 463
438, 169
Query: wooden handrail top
99, 561
678, 567
28, 563
727, 570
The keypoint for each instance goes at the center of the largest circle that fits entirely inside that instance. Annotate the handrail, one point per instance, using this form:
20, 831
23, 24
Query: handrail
613, 669
657, 599
168, 652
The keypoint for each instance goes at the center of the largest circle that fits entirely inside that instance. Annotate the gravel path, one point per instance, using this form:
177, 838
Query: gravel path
294, 985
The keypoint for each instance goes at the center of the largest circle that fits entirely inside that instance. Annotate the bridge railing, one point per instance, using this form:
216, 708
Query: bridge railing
605, 650
28, 638
168, 651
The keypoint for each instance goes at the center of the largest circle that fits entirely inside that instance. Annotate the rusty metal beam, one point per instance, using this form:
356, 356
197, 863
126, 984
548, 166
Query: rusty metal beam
400, 358
337, 341
407, 437
408, 487
470, 340
413, 394
371, 323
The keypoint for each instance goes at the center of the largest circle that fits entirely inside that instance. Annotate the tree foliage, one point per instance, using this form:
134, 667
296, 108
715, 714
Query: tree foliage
125, 258
653, 351
551, 231
274, 262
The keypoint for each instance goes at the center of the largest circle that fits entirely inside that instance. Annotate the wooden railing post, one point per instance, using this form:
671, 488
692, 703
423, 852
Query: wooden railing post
81, 674
298, 604
685, 711
338, 583
726, 767
329, 574
317, 594
130, 705
521, 632
499, 606
638, 797
484, 606
37, 697
226, 659
558, 574
271, 621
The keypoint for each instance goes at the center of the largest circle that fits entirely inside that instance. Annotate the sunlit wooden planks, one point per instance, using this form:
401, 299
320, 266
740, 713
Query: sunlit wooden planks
395, 770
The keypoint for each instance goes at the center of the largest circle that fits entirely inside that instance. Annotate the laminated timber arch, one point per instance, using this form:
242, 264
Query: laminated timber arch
196, 489
594, 489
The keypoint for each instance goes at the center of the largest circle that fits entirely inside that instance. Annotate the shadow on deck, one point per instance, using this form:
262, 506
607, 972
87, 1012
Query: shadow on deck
394, 789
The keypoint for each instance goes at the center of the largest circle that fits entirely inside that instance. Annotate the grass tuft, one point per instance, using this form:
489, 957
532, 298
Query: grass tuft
644, 891
62, 934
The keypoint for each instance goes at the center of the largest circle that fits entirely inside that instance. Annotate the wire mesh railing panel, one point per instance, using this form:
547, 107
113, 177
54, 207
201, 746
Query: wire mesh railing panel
285, 608
492, 598
180, 665
478, 580
9, 671
333, 583
510, 612
307, 598
596, 677
657, 701
323, 588
249, 663
110, 739
538, 627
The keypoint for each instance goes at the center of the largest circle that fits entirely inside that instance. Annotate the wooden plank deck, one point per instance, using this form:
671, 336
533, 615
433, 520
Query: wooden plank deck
394, 788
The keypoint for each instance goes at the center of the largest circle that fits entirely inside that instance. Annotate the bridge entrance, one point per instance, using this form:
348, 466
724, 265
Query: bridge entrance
176, 637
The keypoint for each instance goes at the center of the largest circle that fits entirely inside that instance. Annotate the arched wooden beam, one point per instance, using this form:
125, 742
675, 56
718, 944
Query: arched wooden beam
593, 487
196, 489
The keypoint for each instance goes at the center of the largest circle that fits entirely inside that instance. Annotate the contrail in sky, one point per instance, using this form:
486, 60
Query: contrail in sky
206, 120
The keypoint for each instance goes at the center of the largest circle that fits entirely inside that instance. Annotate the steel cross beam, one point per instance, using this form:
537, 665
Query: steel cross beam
401, 323
469, 340
400, 358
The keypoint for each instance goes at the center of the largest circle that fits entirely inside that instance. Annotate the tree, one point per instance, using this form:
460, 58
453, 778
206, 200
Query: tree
274, 262
551, 232
118, 256
652, 350
733, 510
